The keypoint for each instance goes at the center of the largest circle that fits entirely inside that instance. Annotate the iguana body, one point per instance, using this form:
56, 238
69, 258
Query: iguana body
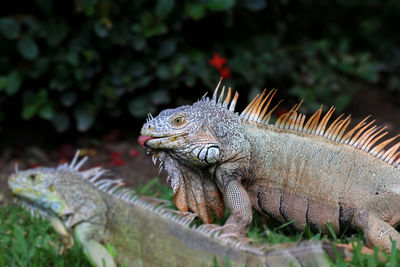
100, 214
308, 171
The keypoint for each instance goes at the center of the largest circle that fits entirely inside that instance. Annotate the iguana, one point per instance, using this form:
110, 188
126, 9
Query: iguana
101, 215
307, 170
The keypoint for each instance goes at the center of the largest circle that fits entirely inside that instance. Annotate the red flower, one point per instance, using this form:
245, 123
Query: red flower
117, 162
115, 159
225, 72
115, 155
217, 61
134, 152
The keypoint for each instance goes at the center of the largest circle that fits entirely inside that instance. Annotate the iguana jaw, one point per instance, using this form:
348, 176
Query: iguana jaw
44, 209
161, 142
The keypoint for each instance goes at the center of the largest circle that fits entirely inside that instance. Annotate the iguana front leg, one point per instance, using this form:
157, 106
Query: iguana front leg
237, 201
96, 253
378, 217
67, 239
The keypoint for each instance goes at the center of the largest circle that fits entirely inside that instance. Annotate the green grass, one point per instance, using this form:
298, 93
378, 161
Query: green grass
28, 241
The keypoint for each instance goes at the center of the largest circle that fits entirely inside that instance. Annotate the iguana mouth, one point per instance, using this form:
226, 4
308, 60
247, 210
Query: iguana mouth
142, 140
155, 141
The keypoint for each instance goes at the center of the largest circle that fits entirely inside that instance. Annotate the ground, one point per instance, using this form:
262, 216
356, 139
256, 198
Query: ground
124, 158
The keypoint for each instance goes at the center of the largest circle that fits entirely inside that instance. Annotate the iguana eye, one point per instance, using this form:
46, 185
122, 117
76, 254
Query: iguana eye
179, 120
32, 177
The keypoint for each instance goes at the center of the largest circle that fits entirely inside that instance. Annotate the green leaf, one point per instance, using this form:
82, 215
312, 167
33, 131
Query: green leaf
368, 72
68, 98
28, 111
194, 11
28, 48
137, 69
55, 33
138, 43
10, 28
140, 106
342, 101
143, 81
89, 6
3, 82
33, 103
46, 112
101, 29
72, 58
167, 48
163, 72
84, 120
220, 5
46, 6
14, 81
41, 97
157, 29
160, 97
61, 122
164, 7
41, 66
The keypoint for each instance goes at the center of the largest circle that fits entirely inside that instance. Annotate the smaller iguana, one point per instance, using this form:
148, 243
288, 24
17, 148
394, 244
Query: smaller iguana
98, 213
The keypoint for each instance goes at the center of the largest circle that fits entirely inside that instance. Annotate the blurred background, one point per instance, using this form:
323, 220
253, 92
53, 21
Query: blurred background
84, 73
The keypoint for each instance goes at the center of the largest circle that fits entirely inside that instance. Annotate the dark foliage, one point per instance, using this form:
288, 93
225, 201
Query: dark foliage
82, 63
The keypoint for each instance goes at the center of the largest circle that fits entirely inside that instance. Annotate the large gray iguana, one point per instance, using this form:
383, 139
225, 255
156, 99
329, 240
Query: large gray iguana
100, 214
309, 171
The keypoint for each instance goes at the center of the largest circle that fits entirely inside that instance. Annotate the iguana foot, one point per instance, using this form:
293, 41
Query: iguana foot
348, 250
96, 252
156, 201
211, 228
350, 247
230, 230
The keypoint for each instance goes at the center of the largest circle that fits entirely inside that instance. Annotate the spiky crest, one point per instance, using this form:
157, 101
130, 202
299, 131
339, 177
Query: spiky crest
224, 102
363, 136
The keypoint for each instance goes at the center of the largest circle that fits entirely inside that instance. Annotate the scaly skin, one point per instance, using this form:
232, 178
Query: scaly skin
97, 213
293, 170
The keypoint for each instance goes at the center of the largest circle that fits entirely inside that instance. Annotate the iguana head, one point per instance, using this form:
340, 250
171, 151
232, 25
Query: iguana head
195, 134
37, 188
185, 132
197, 138
62, 195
